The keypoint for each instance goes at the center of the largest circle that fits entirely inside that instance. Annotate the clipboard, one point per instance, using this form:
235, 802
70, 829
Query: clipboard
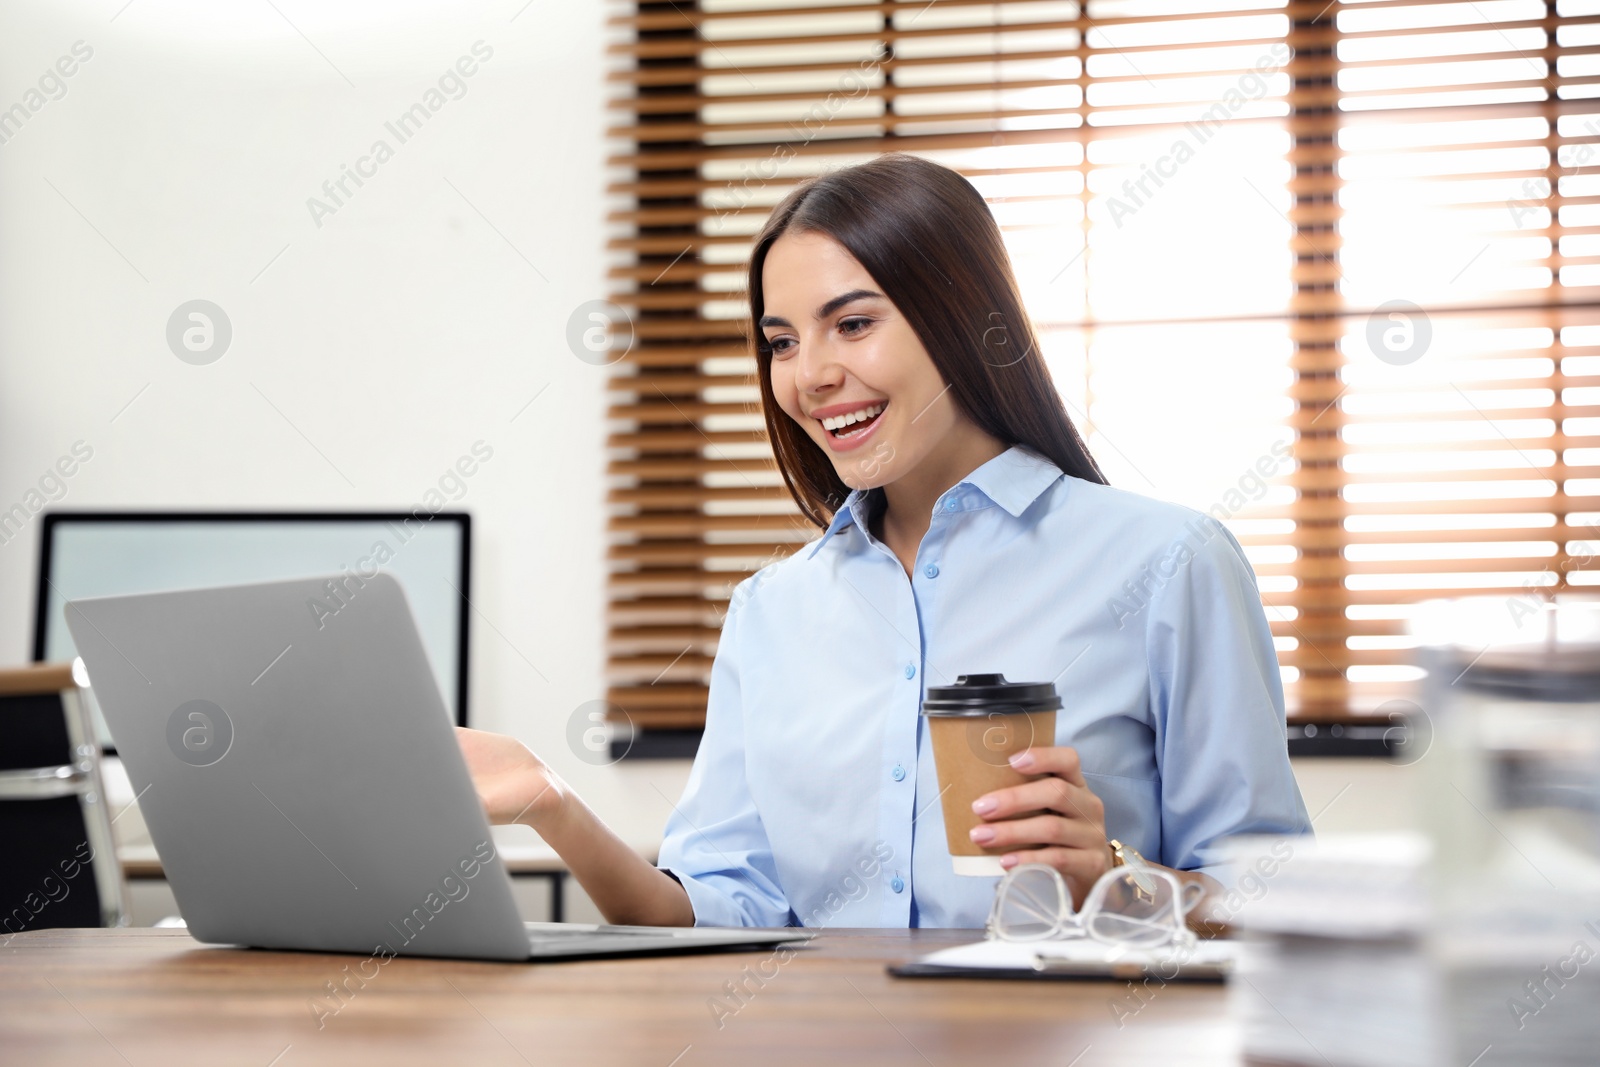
1079, 960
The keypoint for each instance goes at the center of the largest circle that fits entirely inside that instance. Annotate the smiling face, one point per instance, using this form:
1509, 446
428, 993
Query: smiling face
848, 368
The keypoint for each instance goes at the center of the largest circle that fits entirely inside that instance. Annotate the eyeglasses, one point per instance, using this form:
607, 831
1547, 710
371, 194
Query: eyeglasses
1139, 908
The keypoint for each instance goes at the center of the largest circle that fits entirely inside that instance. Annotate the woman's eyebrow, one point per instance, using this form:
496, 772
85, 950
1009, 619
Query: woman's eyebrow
826, 309
845, 298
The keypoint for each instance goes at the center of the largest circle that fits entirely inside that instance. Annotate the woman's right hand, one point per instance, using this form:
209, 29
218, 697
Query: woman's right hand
514, 785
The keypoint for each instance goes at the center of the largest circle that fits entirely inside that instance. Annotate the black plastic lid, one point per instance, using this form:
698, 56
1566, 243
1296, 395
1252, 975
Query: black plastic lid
988, 694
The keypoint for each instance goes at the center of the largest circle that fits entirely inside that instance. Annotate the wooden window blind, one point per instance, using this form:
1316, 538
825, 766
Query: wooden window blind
1328, 271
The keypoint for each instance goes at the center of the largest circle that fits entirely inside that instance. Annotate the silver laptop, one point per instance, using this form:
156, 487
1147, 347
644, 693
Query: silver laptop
301, 781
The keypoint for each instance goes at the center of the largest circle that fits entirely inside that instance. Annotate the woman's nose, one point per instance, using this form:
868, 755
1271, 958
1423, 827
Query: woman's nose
818, 370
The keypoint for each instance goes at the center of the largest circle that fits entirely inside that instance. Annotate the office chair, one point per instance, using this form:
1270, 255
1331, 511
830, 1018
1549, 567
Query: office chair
59, 865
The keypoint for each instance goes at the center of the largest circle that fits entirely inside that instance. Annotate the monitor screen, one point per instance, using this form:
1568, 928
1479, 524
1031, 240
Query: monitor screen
87, 554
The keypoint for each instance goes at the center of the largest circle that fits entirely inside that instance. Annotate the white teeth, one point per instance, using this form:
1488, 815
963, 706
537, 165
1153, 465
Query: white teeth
839, 422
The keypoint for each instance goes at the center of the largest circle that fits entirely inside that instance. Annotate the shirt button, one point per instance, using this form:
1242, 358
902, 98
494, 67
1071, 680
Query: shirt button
897, 883
931, 570
950, 505
911, 670
898, 774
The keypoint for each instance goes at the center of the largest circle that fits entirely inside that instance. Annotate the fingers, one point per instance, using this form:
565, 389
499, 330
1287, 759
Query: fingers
1039, 830
1046, 794
1059, 760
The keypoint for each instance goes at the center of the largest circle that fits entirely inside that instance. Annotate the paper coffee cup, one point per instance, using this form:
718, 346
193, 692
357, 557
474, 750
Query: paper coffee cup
977, 725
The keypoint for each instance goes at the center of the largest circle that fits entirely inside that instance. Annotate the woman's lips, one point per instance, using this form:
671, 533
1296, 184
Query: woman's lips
857, 439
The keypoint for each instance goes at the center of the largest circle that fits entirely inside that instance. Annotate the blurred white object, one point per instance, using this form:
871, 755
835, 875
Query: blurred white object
1479, 943
1342, 885
1334, 968
1513, 690
1512, 788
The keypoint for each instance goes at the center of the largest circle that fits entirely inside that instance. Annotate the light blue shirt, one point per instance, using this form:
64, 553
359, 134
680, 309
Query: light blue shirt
813, 799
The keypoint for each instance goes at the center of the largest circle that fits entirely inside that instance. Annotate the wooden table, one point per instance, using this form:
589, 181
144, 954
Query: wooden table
157, 997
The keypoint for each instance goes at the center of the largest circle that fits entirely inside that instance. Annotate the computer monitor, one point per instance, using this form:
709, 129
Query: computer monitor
103, 553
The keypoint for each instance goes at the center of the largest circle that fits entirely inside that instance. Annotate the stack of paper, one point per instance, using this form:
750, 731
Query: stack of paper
1346, 963
1334, 969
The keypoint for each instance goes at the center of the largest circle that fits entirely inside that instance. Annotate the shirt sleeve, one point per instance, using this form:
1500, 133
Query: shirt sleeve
1216, 698
715, 844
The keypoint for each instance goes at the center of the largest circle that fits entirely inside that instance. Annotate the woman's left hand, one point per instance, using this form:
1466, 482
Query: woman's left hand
1069, 831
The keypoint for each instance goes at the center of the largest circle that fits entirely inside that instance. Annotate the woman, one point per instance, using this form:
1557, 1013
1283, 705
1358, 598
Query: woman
978, 535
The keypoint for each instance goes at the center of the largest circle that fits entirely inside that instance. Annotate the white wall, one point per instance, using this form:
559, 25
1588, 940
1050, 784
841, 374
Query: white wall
177, 165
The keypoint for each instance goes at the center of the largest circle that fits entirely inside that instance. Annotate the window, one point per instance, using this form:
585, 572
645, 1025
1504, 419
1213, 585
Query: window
1326, 271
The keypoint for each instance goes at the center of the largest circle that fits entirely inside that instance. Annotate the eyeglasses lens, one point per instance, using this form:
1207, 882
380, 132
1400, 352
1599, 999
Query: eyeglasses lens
1129, 913
1031, 905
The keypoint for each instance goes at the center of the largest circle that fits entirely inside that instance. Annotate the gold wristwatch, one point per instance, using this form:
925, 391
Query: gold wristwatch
1124, 856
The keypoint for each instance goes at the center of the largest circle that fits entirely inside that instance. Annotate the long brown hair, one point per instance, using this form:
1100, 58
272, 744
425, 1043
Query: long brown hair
927, 237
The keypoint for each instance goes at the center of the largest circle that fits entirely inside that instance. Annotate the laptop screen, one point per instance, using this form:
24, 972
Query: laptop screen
88, 554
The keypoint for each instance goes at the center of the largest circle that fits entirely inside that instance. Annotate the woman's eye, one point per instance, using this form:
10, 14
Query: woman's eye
780, 346
849, 326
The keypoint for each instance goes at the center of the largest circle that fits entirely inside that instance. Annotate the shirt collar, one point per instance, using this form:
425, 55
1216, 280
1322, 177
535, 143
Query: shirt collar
1014, 480
847, 513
